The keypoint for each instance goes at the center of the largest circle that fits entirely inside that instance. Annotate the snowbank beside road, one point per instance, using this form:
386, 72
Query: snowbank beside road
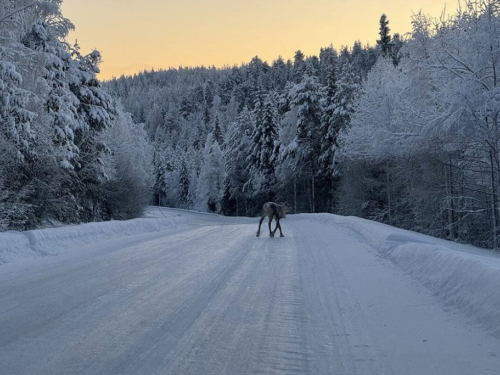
42, 242
462, 276
466, 281
15, 245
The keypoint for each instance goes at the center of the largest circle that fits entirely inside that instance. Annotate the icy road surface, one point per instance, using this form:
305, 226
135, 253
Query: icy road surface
211, 298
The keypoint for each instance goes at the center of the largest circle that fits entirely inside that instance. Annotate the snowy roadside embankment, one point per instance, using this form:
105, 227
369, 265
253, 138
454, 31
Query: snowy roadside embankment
52, 241
15, 245
462, 276
467, 281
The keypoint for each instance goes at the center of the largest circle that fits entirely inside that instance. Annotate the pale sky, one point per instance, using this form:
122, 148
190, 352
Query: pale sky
134, 35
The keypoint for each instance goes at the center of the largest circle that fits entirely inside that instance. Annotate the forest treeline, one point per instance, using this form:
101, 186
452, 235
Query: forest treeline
405, 132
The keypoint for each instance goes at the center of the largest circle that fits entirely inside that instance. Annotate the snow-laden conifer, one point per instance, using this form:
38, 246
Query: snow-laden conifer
262, 158
210, 184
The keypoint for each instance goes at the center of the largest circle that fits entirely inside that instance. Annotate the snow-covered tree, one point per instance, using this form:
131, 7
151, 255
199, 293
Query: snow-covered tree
210, 185
424, 137
237, 149
299, 66
304, 149
466, 62
262, 156
374, 139
15, 118
61, 103
217, 131
184, 200
52, 113
128, 167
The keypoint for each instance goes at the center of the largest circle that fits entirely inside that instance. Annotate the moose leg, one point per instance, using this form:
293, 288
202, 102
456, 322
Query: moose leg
277, 223
271, 233
260, 223
279, 226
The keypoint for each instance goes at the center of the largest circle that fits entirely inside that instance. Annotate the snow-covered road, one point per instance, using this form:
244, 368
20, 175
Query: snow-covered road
211, 298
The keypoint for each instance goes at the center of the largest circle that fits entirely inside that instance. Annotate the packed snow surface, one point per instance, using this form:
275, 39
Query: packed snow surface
179, 292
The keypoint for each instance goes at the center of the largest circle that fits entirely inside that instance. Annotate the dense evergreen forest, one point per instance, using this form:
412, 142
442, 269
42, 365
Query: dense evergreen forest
228, 140
405, 132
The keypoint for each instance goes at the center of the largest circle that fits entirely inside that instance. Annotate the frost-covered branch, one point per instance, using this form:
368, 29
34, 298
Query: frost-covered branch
19, 10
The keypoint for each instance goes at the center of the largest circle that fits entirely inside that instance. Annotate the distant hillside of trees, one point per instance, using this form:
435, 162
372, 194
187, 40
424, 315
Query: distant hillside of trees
227, 140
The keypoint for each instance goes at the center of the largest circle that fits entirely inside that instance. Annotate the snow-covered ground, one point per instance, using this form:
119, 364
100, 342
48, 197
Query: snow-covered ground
189, 293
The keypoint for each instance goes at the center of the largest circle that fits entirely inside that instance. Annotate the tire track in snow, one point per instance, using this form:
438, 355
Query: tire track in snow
255, 320
283, 347
193, 286
117, 313
337, 325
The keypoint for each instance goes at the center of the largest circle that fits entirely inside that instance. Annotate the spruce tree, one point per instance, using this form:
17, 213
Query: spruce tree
217, 131
184, 185
385, 38
210, 185
262, 156
95, 113
237, 148
338, 107
298, 66
328, 133
61, 103
306, 97
15, 119
304, 150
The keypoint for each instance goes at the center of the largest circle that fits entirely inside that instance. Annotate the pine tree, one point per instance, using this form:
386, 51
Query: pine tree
15, 119
262, 157
306, 97
397, 44
184, 185
159, 174
17, 148
327, 58
237, 149
129, 168
96, 108
279, 74
208, 101
61, 104
155, 124
304, 150
328, 133
338, 108
217, 131
385, 38
210, 186
298, 66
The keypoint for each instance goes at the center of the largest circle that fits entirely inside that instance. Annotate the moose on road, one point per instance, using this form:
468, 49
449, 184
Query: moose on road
273, 211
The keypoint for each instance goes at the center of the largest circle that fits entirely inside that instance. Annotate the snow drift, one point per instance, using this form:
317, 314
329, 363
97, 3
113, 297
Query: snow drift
462, 276
52, 241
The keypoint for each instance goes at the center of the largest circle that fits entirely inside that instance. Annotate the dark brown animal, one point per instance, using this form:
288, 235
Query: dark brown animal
273, 211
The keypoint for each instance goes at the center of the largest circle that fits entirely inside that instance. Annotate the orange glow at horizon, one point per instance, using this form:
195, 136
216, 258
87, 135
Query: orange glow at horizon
134, 36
